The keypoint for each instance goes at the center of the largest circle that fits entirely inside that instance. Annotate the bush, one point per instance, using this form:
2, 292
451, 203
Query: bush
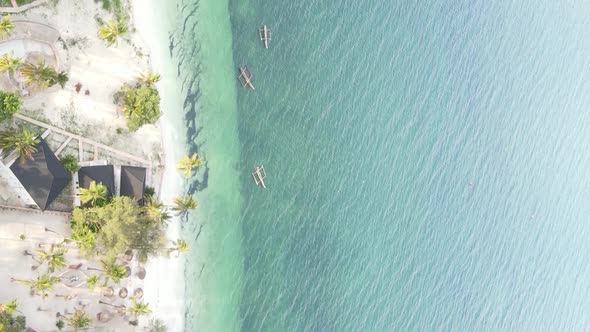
10, 103
70, 163
141, 105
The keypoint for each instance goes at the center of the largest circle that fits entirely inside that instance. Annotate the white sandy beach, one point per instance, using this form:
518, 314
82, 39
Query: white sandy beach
165, 277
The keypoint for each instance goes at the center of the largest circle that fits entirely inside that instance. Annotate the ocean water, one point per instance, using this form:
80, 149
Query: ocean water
427, 165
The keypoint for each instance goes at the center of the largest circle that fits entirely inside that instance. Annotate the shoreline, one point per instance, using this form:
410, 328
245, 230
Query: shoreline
165, 280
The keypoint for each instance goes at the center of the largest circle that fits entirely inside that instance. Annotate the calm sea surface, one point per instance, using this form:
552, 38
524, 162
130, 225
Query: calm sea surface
427, 165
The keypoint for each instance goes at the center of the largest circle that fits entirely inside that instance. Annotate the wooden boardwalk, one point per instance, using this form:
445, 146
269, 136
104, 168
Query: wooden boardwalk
83, 140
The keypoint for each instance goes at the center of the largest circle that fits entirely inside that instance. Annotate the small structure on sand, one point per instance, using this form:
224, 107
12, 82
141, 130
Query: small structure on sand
133, 183
43, 177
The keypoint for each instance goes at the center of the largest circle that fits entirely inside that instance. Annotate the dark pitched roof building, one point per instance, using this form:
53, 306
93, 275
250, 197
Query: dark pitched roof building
44, 177
104, 174
133, 183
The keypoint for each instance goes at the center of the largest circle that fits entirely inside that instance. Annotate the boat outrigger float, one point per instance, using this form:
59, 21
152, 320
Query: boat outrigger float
259, 175
265, 35
245, 76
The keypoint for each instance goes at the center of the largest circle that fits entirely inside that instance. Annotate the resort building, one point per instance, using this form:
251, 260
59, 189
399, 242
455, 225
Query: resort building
43, 177
104, 174
133, 183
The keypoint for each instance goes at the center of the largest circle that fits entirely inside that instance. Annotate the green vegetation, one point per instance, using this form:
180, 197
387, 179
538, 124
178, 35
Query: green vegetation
182, 204
10, 103
157, 325
113, 271
138, 309
42, 76
92, 281
96, 194
6, 27
60, 324
21, 140
77, 320
9, 63
116, 227
180, 246
9, 323
83, 235
40, 286
111, 31
149, 78
9, 307
70, 163
54, 258
140, 103
187, 164
115, 7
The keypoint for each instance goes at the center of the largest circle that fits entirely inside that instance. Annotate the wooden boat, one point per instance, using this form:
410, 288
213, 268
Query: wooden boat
259, 175
265, 35
245, 77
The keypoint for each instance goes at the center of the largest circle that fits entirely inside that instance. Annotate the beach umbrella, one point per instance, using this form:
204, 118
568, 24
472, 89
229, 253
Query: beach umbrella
138, 293
108, 291
123, 293
127, 271
128, 256
141, 273
104, 316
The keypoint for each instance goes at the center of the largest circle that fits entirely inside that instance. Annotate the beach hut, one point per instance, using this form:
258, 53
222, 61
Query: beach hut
43, 177
133, 183
104, 174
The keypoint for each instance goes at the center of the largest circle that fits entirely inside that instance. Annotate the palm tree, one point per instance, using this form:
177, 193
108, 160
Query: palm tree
96, 194
40, 286
149, 78
61, 78
39, 75
184, 203
180, 246
111, 31
158, 325
187, 164
85, 238
155, 210
113, 271
138, 308
77, 320
22, 141
6, 27
54, 258
92, 281
9, 63
9, 307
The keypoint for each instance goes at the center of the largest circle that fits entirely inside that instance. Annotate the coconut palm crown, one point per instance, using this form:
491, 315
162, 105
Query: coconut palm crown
20, 140
184, 203
138, 308
40, 286
96, 194
6, 27
111, 31
39, 75
9, 63
187, 164
78, 320
9, 307
54, 257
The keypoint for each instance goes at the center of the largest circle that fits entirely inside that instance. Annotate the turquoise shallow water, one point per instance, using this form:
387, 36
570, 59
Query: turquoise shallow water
426, 165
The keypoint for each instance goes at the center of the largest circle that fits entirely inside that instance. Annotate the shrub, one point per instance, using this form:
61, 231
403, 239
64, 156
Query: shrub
10, 103
141, 105
70, 163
